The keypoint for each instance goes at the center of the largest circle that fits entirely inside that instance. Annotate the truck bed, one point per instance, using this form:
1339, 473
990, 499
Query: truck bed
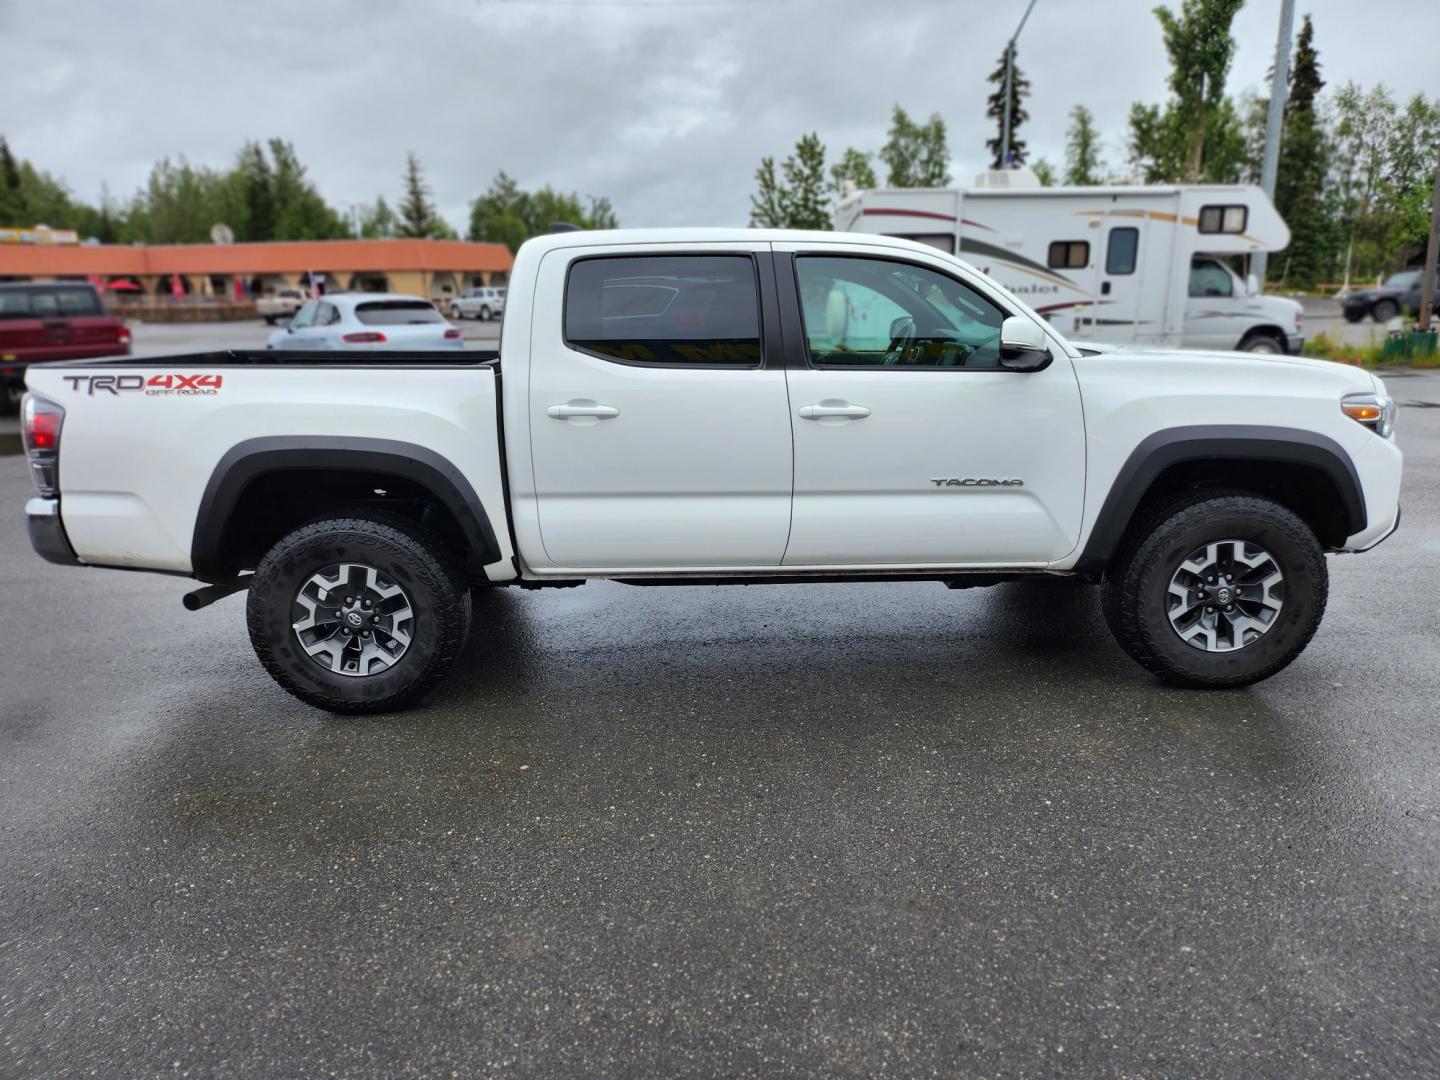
146, 440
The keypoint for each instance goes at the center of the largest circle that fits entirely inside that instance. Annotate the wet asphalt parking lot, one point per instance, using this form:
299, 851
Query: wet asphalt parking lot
841, 830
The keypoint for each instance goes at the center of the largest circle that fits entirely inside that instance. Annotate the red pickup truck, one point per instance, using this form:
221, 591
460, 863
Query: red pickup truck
56, 320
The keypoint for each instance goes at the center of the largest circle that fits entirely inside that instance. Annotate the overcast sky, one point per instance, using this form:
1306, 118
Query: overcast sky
666, 106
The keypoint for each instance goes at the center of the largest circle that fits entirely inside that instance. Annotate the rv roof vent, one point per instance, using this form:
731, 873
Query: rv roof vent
1007, 178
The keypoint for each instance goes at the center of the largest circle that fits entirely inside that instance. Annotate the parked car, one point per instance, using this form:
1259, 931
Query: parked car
724, 406
281, 304
1400, 292
367, 321
484, 303
57, 320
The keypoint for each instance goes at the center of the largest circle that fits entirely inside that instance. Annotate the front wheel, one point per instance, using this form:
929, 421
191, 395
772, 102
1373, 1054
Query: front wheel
358, 614
1220, 590
484, 314
1263, 343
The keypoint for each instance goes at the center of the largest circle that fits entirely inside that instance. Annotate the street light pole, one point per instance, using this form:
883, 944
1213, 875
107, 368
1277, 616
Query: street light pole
1009, 76
1274, 118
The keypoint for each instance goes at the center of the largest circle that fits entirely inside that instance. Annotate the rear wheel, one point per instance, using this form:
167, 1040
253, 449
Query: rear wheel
1384, 310
485, 314
358, 614
1220, 590
10, 398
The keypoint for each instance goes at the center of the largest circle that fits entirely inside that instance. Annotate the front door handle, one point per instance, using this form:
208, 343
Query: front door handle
841, 409
573, 410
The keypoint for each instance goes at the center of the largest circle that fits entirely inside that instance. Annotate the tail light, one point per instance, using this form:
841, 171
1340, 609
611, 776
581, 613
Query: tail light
124, 336
452, 334
40, 422
367, 337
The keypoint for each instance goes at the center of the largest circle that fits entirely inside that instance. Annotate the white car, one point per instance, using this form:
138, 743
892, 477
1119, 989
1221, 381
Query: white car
367, 321
721, 406
482, 303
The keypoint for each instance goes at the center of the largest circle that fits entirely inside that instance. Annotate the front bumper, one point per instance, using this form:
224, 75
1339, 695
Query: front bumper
47, 533
1294, 343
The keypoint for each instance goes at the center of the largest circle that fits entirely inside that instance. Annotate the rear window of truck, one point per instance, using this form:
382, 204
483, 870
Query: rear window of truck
49, 302
396, 313
671, 310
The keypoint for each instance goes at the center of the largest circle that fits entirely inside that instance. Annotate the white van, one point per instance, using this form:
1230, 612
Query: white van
1122, 265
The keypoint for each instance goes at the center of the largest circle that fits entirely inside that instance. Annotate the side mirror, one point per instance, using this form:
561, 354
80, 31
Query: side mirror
1023, 345
1252, 285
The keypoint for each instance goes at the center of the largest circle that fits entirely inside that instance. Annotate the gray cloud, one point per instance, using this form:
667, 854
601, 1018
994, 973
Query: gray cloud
665, 107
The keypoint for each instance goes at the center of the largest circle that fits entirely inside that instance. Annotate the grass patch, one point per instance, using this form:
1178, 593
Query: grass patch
1324, 347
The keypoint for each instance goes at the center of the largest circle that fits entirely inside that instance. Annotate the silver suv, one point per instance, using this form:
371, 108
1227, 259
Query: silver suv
487, 302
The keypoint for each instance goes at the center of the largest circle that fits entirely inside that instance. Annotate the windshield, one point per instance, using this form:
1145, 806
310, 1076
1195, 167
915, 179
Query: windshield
396, 313
1403, 281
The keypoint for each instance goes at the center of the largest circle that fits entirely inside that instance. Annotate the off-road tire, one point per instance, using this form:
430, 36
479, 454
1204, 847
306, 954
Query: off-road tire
1385, 310
431, 576
1134, 595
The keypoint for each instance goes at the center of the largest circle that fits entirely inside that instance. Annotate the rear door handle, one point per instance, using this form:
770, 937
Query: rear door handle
841, 409
570, 411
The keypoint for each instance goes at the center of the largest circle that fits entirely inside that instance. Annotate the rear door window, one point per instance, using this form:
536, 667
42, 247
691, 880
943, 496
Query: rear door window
397, 313
671, 310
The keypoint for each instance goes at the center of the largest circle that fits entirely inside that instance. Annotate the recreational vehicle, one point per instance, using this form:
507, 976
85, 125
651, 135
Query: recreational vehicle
1124, 265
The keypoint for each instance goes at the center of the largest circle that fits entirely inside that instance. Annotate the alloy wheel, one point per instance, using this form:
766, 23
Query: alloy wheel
353, 620
1225, 595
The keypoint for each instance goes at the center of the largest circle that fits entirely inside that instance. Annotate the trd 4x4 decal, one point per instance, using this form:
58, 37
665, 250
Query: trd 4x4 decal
154, 385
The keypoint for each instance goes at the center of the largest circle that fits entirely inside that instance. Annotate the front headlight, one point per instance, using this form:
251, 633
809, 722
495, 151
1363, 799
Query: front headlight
1376, 411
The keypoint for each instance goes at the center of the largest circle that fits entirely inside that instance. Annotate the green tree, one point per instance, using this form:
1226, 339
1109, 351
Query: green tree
797, 202
1082, 149
508, 215
853, 168
418, 218
995, 110
255, 182
1302, 168
300, 212
915, 154
12, 204
1044, 172
377, 221
1194, 136
805, 184
767, 210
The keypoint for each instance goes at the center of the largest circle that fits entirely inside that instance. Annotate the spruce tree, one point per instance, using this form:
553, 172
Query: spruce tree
995, 110
1300, 178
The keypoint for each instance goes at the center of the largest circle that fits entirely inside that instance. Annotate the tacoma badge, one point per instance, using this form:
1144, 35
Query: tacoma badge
975, 481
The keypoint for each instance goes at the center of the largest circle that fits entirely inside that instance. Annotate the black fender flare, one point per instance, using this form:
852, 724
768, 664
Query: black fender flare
249, 460
1217, 442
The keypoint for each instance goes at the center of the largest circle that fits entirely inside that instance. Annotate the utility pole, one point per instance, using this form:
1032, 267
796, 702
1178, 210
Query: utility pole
1274, 119
1427, 282
1009, 75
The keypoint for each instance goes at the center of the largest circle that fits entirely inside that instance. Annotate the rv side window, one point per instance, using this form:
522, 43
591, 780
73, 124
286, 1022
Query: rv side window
1120, 254
1209, 279
1069, 254
1223, 219
940, 241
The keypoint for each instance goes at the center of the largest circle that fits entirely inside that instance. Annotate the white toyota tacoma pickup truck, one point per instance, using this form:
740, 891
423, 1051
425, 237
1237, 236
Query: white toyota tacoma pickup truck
719, 406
